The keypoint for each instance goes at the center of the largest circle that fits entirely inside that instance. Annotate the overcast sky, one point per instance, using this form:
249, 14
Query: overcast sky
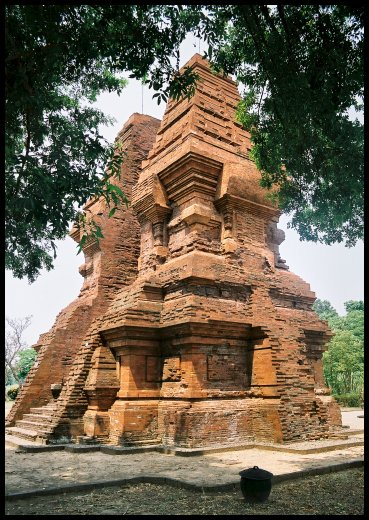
335, 273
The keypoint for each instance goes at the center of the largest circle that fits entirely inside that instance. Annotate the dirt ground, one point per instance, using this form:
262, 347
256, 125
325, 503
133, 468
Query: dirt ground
340, 493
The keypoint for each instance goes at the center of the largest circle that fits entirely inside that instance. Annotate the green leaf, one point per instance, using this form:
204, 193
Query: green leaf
81, 244
98, 232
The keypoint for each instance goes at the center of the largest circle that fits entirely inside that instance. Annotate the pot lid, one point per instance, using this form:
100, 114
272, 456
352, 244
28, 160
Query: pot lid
256, 473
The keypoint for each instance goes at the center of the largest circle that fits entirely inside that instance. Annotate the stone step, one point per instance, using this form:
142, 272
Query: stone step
20, 444
32, 425
49, 404
11, 440
30, 435
37, 416
43, 410
343, 436
355, 432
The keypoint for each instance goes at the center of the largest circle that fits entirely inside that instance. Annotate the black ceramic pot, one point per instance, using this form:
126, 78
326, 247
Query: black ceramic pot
256, 484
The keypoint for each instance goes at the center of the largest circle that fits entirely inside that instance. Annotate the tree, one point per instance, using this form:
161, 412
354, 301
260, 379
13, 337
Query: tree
55, 157
14, 344
324, 309
353, 320
343, 361
9, 378
353, 305
27, 357
302, 68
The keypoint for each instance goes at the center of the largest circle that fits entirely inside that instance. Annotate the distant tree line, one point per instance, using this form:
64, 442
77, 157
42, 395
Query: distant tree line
343, 361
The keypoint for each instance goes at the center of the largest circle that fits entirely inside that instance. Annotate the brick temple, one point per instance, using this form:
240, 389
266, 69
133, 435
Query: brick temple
189, 330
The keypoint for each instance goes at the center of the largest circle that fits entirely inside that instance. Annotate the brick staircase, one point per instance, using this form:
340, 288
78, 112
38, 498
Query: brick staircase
34, 426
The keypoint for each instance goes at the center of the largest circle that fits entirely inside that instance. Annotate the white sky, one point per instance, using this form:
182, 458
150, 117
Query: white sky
335, 273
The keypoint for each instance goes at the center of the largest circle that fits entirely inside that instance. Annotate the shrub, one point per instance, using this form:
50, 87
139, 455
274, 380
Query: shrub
12, 392
351, 400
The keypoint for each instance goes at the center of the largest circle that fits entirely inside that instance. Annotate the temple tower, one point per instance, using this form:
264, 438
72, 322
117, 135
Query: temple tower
190, 330
216, 342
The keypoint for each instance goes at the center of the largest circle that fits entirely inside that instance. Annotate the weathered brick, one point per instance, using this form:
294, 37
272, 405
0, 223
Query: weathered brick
207, 339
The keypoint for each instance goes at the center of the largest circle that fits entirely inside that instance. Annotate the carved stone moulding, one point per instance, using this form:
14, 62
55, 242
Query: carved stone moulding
190, 175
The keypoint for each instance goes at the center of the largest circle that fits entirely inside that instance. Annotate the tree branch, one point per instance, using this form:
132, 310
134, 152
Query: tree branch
261, 98
25, 157
258, 45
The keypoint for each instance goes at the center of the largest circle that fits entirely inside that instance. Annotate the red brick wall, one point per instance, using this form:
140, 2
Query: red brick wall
108, 268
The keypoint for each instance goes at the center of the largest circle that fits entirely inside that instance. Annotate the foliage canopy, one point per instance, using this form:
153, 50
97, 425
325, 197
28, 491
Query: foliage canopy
301, 66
